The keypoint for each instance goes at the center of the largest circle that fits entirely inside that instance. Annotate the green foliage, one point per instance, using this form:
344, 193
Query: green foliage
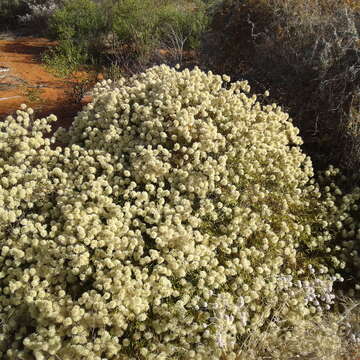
78, 89
113, 72
77, 20
65, 59
137, 27
149, 24
133, 22
33, 94
79, 26
186, 20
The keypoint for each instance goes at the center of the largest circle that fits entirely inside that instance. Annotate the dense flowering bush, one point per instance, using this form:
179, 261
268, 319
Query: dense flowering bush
343, 194
175, 217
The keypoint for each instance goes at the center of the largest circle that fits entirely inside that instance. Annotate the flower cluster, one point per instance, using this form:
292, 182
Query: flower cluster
162, 225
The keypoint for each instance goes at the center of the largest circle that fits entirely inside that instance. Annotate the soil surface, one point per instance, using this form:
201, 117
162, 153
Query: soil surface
24, 79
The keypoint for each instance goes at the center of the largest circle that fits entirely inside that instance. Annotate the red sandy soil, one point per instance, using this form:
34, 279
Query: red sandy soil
28, 75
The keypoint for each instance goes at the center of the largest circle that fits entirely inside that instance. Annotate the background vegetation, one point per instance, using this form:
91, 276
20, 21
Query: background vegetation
126, 32
9, 10
307, 53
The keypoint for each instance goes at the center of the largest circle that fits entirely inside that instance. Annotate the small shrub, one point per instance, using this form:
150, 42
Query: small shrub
33, 94
77, 20
114, 72
79, 89
187, 22
80, 23
128, 32
134, 25
64, 59
140, 28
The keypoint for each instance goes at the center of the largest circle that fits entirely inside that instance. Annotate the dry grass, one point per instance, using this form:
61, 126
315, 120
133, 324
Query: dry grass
306, 52
332, 336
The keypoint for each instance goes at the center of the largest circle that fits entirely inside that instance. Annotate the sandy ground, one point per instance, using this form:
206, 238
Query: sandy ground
23, 79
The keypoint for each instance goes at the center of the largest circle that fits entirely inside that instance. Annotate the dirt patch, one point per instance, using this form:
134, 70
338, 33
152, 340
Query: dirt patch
24, 79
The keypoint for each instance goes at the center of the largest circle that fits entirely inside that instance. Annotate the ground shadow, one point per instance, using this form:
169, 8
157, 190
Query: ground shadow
26, 47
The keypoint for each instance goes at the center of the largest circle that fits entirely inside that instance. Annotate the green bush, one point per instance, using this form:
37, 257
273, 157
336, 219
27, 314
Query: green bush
127, 30
66, 58
152, 24
133, 22
186, 21
177, 216
79, 24
77, 20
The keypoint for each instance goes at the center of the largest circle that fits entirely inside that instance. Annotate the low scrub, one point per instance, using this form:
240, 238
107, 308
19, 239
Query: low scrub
128, 32
65, 59
79, 26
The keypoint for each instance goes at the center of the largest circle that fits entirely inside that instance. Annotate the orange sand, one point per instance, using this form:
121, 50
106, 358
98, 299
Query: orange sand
22, 56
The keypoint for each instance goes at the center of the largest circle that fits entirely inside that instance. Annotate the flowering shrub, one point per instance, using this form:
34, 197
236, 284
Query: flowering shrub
176, 216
